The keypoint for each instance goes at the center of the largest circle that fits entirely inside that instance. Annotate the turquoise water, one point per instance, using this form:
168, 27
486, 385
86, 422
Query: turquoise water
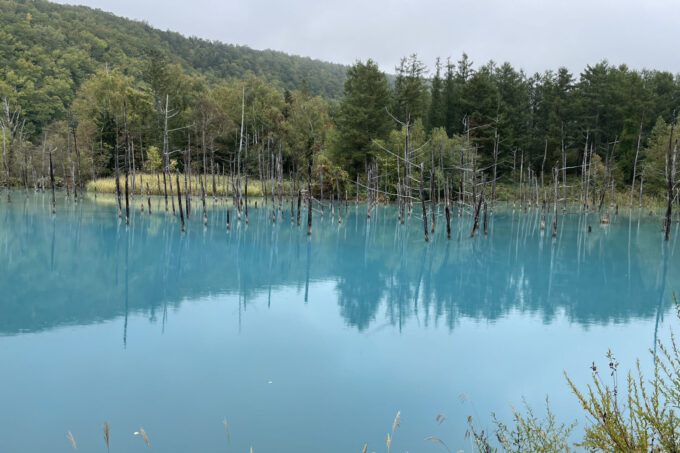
308, 344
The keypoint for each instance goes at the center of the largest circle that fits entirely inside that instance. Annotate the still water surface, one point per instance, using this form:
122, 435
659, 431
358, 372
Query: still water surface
308, 344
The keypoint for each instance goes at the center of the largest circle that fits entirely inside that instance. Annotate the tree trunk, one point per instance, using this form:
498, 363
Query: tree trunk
557, 183
179, 203
670, 179
635, 162
309, 197
54, 201
422, 202
127, 164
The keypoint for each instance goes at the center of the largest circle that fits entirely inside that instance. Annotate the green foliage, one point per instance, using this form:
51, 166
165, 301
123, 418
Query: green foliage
533, 434
643, 417
47, 58
437, 112
528, 433
61, 61
654, 157
362, 116
153, 160
411, 95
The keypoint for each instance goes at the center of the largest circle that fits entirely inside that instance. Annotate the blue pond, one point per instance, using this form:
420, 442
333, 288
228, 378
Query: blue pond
309, 344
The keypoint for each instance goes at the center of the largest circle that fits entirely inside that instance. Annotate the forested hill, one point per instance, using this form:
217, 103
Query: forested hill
48, 49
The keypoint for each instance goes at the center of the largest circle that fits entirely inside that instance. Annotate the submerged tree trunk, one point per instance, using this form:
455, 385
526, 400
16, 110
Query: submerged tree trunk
54, 201
245, 173
118, 183
495, 167
635, 162
148, 197
166, 157
179, 203
422, 202
299, 202
475, 223
309, 198
564, 173
127, 164
543, 215
670, 180
556, 179
205, 213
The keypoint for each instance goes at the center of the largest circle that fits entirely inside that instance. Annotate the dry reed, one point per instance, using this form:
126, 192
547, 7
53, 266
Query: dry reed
144, 436
396, 421
226, 429
69, 436
106, 435
437, 440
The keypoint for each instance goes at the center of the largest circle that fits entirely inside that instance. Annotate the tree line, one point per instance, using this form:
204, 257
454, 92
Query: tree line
453, 129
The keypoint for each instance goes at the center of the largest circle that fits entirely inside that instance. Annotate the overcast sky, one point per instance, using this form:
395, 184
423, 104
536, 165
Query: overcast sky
531, 34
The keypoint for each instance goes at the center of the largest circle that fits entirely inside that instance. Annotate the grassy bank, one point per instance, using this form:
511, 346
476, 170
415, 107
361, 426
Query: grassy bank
505, 191
155, 182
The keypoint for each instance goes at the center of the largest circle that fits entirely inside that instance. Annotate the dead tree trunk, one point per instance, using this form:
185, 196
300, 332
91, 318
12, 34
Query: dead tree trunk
75, 145
240, 147
495, 167
432, 199
556, 180
205, 213
187, 169
179, 203
120, 210
485, 224
543, 215
545, 156
148, 197
299, 202
245, 173
564, 172
212, 167
187, 176
514, 178
127, 164
54, 201
166, 157
309, 197
422, 202
172, 197
582, 199
635, 162
588, 175
670, 179
475, 223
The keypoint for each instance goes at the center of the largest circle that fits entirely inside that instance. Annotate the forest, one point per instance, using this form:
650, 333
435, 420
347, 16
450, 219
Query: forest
91, 90
363, 316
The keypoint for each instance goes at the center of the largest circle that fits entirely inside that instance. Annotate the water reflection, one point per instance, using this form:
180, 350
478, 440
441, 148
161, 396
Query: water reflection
85, 266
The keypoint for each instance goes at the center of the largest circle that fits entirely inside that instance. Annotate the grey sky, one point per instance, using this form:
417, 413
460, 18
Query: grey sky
531, 34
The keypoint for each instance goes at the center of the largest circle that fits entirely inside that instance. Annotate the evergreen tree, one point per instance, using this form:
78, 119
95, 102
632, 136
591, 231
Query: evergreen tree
437, 113
410, 90
363, 115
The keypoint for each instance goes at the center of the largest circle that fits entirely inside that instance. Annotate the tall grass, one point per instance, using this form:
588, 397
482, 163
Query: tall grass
108, 185
106, 434
506, 192
71, 439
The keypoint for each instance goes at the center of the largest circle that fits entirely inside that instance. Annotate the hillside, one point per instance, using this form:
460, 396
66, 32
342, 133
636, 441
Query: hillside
48, 49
